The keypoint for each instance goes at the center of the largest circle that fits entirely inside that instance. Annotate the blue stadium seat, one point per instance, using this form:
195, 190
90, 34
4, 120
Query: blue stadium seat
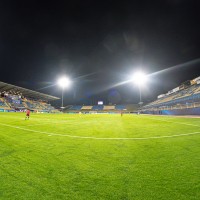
97, 107
76, 108
120, 107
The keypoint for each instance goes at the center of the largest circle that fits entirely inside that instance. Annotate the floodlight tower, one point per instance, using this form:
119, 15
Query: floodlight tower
139, 78
63, 83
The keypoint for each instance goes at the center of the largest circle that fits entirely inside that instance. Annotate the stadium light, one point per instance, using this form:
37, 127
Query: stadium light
139, 78
63, 82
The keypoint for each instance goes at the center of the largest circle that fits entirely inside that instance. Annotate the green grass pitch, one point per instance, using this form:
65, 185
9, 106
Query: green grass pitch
99, 156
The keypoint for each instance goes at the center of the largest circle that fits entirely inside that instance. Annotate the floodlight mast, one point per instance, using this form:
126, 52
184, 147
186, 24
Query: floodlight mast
139, 78
63, 83
140, 95
62, 96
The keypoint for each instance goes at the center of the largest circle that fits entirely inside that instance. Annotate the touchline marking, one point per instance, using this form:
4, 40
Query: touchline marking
174, 122
96, 138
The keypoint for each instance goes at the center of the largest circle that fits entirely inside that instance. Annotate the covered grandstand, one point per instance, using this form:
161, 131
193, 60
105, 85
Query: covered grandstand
101, 108
15, 98
186, 98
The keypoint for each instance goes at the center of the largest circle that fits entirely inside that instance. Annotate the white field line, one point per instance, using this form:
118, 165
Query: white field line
175, 116
39, 124
96, 138
174, 122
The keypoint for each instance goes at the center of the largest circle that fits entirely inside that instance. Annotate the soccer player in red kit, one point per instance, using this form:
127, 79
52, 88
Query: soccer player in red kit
27, 114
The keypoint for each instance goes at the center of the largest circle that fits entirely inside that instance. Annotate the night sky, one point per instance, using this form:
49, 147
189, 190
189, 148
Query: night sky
99, 44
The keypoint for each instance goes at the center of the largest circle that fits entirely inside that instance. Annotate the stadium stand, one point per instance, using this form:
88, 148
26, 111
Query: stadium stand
108, 107
86, 108
182, 97
102, 108
76, 107
120, 107
97, 107
18, 99
39, 106
3, 104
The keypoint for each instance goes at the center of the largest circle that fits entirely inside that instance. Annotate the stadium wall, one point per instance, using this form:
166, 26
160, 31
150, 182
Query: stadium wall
187, 111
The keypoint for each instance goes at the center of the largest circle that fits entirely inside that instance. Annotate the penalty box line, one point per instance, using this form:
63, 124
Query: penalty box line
96, 138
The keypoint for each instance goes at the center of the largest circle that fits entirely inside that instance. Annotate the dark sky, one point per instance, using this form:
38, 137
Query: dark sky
98, 44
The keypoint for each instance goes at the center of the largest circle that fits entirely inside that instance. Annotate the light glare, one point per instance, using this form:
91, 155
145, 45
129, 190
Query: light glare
64, 82
139, 78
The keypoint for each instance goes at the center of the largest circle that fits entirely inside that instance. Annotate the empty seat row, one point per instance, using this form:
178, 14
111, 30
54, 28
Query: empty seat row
98, 107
